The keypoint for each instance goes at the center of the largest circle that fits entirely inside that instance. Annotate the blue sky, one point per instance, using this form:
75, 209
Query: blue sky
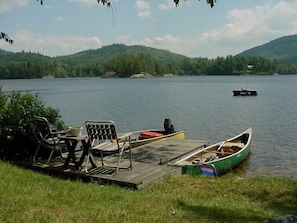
63, 27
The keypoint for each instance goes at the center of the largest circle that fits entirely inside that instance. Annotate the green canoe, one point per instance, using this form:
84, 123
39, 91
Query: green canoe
218, 158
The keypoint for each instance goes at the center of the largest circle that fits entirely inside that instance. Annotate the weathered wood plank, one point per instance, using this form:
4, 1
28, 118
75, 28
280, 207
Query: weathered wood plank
149, 164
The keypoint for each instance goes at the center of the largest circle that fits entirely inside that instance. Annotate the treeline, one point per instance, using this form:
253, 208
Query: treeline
125, 65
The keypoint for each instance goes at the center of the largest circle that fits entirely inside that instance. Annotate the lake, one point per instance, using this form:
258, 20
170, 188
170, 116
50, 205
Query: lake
203, 106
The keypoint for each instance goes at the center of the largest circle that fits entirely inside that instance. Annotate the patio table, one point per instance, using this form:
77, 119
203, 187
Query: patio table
71, 144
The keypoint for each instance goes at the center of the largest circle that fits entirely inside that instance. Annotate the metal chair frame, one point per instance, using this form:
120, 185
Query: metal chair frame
46, 136
103, 137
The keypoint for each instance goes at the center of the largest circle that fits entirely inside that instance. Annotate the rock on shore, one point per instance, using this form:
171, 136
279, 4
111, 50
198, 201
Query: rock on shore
283, 219
141, 75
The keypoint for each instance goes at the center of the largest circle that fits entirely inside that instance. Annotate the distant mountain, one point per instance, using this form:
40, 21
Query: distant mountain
116, 59
123, 61
107, 52
6, 57
100, 55
3, 52
281, 49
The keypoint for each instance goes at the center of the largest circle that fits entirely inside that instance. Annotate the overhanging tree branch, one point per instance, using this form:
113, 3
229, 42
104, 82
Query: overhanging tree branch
108, 2
6, 37
103, 2
211, 2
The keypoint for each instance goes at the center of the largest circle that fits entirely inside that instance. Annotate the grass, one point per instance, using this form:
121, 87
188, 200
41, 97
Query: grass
28, 196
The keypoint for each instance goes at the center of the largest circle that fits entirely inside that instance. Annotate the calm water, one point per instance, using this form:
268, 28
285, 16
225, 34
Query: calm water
201, 106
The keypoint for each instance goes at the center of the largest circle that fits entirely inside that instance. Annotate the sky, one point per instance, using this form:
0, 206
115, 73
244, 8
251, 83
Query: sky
193, 29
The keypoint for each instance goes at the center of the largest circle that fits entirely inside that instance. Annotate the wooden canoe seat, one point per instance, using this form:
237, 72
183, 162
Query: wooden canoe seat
230, 147
237, 144
208, 157
226, 151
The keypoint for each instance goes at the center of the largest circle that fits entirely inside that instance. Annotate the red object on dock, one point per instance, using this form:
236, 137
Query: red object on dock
150, 134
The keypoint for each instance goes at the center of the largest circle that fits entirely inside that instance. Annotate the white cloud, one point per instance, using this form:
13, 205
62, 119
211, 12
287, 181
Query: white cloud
160, 40
248, 28
143, 8
245, 29
168, 42
8, 5
86, 2
59, 19
168, 39
91, 2
169, 5
50, 45
123, 38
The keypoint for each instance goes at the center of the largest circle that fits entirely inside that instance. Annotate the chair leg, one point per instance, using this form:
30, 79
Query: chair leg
119, 159
88, 157
35, 154
120, 153
130, 151
102, 160
61, 151
50, 156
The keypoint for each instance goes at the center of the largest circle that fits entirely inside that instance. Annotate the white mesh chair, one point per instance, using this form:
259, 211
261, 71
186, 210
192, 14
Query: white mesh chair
46, 137
103, 137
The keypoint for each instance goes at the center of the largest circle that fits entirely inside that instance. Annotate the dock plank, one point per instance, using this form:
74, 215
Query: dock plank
149, 164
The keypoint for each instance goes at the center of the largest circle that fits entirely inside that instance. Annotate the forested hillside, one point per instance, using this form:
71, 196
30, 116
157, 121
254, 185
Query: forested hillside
106, 52
283, 49
119, 60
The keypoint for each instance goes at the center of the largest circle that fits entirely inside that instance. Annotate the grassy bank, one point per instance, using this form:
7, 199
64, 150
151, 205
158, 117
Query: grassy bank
27, 196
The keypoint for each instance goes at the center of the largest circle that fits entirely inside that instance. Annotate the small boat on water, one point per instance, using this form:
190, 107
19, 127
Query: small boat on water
245, 92
219, 158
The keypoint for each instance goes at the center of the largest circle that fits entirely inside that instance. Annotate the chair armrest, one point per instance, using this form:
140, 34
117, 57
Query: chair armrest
124, 136
62, 132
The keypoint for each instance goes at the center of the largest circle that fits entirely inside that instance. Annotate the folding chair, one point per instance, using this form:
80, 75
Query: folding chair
103, 137
46, 136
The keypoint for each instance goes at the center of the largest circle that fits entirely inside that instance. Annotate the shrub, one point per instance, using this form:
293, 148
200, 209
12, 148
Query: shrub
16, 113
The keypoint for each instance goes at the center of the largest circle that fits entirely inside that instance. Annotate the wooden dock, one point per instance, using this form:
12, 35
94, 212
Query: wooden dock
149, 164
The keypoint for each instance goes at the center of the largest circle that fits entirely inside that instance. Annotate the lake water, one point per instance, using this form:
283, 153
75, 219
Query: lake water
204, 107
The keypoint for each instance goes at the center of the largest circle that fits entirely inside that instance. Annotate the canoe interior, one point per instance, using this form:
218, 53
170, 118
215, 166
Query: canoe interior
218, 158
217, 151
